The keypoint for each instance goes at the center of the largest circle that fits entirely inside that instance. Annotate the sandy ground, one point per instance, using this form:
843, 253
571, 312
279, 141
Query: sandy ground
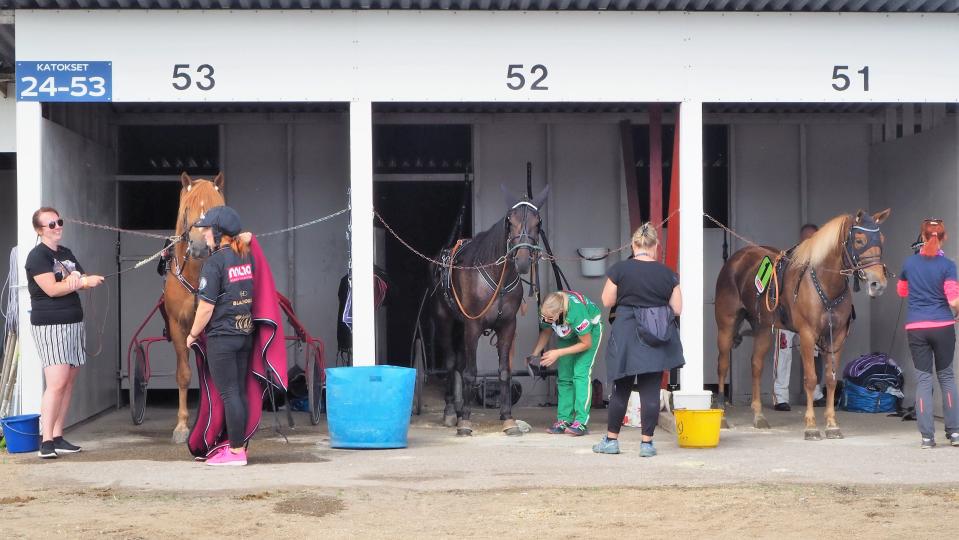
130, 482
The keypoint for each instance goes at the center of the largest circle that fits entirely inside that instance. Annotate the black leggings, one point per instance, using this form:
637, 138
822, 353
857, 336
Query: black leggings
648, 386
228, 358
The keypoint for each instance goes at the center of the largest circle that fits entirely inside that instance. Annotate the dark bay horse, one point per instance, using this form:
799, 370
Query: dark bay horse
179, 291
811, 287
468, 302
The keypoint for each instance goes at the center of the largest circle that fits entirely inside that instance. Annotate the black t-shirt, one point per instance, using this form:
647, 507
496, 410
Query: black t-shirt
642, 283
226, 281
45, 309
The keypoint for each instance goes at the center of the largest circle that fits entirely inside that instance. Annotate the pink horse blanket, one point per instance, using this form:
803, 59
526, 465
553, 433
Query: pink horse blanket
267, 366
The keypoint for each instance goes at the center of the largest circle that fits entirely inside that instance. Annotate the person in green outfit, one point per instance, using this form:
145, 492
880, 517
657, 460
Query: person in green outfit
577, 323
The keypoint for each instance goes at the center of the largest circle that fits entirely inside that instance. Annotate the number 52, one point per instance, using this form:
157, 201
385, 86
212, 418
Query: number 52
515, 80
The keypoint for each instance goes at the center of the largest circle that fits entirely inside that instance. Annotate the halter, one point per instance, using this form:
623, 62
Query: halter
514, 243
185, 238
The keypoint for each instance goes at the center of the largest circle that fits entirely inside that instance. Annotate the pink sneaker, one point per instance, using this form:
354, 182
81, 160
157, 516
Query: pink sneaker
226, 458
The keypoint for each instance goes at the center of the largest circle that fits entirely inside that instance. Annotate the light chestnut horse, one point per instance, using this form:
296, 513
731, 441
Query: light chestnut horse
179, 291
809, 296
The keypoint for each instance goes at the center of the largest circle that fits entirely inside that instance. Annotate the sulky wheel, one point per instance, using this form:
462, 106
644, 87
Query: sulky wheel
138, 385
314, 383
419, 364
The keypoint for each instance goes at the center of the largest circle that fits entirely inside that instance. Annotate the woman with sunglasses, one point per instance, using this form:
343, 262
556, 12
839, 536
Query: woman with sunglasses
577, 323
928, 280
56, 317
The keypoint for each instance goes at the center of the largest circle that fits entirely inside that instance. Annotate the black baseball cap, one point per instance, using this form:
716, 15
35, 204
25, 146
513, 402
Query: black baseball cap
222, 218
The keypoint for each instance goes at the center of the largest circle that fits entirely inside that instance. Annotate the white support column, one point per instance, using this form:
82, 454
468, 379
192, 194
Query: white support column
361, 202
29, 198
691, 395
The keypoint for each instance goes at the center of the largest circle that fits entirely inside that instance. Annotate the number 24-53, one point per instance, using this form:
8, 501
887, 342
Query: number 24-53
516, 80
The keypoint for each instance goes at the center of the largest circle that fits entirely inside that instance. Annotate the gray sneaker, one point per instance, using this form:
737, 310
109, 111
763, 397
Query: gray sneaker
647, 449
606, 446
927, 444
954, 439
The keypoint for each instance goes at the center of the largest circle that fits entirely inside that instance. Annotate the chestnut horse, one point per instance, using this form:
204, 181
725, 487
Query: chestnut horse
180, 290
808, 294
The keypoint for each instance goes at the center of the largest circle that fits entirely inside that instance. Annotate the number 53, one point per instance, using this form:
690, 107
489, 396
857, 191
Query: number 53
183, 81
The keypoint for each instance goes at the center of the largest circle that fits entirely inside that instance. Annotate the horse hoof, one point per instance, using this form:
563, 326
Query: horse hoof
724, 424
833, 433
464, 432
180, 437
813, 435
449, 421
511, 428
760, 422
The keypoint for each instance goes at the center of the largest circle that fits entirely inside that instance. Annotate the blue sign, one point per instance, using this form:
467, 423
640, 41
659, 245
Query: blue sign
64, 81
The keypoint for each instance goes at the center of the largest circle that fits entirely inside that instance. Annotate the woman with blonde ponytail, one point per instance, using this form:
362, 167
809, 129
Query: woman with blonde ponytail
644, 340
928, 280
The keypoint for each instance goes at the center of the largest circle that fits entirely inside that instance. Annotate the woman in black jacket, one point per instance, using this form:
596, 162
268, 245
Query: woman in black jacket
644, 292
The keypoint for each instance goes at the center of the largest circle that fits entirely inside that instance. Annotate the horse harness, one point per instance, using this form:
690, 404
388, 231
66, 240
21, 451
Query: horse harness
854, 265
499, 288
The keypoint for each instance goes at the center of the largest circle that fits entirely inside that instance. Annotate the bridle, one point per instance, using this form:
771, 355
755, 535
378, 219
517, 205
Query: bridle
185, 238
854, 263
524, 239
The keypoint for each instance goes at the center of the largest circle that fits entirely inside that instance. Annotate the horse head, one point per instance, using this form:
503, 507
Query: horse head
864, 243
522, 228
196, 197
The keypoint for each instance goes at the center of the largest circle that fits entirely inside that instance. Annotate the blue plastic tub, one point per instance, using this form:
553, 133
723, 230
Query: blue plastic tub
22, 433
370, 406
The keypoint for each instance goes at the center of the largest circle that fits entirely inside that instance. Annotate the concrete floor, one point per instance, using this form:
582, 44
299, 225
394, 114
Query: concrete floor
876, 450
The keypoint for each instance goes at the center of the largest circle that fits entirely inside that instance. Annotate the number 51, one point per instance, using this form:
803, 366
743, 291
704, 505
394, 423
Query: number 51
844, 82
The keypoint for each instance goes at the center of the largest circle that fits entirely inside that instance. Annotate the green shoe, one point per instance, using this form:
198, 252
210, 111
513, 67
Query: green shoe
558, 428
576, 429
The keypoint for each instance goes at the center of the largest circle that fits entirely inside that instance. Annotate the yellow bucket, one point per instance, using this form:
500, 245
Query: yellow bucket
698, 429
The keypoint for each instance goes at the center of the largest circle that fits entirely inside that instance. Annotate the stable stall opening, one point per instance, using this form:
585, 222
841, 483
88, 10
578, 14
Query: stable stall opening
791, 164
284, 164
577, 149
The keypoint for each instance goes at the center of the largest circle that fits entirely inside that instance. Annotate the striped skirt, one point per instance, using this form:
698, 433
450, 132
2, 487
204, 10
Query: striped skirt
59, 344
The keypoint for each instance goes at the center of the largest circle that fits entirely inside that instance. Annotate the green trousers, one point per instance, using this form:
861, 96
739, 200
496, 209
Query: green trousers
574, 382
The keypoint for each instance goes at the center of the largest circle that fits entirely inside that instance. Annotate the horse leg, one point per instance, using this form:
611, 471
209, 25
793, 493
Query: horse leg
807, 347
829, 373
467, 369
761, 343
727, 328
183, 373
504, 344
444, 349
725, 343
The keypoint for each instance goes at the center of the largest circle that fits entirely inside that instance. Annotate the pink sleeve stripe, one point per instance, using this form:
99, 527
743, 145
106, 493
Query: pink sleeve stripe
952, 289
902, 288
